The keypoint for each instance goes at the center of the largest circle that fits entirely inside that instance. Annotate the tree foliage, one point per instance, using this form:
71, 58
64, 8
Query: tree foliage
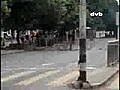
61, 15
43, 14
108, 8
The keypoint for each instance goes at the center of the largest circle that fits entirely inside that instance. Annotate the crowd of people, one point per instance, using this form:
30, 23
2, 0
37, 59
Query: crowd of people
41, 39
32, 38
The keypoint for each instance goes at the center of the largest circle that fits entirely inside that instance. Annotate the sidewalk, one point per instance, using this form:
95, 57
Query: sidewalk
96, 78
115, 84
102, 75
4, 52
53, 48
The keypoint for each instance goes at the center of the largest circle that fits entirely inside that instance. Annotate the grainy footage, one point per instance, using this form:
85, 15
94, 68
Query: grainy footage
59, 44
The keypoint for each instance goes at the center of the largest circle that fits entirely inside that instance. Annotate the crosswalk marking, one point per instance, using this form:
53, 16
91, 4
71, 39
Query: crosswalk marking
33, 68
47, 64
16, 75
90, 68
36, 78
64, 79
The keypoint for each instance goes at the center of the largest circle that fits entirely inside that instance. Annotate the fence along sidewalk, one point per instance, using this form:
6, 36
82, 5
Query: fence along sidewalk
112, 52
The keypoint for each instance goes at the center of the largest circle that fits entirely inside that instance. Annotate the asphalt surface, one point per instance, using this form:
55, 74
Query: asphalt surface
34, 70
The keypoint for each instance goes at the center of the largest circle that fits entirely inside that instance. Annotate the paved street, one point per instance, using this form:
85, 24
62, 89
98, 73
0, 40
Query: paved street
35, 70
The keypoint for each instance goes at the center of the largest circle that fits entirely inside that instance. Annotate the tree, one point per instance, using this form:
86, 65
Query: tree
5, 11
108, 8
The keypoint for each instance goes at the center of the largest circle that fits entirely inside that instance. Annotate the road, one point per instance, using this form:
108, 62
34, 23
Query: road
34, 70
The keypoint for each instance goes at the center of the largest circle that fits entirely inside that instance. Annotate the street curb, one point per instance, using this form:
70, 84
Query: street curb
98, 85
38, 49
13, 53
43, 48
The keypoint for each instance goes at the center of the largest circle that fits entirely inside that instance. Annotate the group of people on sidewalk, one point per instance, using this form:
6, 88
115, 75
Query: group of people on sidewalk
34, 38
40, 38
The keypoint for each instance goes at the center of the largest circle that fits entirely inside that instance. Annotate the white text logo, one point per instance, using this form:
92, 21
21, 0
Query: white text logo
96, 14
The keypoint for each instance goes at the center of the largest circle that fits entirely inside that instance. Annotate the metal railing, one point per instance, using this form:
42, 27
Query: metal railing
112, 52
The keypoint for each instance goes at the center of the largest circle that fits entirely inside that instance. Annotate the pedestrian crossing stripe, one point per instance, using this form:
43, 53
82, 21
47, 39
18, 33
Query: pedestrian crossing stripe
16, 75
64, 79
36, 78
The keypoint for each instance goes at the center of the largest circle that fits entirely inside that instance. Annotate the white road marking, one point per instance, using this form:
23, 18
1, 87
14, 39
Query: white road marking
64, 79
36, 78
46, 64
90, 68
16, 75
34, 68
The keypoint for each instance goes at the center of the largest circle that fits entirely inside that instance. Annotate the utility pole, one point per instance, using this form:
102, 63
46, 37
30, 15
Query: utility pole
81, 82
82, 41
117, 23
82, 79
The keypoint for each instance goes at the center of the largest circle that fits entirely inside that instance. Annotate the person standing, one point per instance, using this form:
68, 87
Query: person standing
18, 37
38, 38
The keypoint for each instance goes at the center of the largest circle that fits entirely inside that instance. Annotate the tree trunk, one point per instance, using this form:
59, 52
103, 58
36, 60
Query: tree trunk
70, 44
